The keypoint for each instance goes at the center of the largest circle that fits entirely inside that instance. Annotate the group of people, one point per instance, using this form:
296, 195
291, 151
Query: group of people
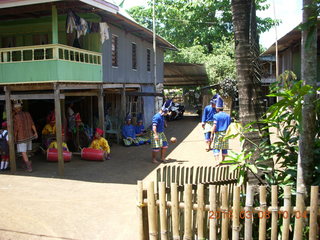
134, 135
215, 123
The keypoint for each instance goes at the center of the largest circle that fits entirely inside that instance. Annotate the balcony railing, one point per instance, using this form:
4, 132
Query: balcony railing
49, 52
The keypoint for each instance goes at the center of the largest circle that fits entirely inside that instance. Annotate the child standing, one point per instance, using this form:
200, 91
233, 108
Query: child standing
4, 148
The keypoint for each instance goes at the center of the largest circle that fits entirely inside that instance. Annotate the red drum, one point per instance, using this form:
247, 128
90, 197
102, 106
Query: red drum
52, 155
92, 154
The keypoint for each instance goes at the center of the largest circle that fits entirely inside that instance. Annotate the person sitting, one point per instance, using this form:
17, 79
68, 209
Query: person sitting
129, 133
100, 143
141, 133
54, 144
49, 130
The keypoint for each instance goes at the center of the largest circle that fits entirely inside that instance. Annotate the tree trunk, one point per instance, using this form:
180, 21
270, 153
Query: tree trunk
248, 70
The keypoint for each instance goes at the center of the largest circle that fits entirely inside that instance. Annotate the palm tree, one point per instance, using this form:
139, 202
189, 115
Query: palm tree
248, 67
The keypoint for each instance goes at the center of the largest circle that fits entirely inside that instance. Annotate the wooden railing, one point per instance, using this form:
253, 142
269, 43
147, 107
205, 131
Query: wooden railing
49, 52
201, 213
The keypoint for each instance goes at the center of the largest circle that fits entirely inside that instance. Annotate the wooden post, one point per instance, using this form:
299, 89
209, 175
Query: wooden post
58, 128
236, 214
224, 213
12, 153
162, 210
152, 213
248, 211
314, 228
274, 205
140, 210
261, 214
188, 212
200, 211
101, 109
213, 213
175, 211
286, 215
123, 103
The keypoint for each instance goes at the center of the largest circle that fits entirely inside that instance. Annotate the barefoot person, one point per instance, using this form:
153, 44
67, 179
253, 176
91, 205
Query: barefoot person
24, 132
207, 121
221, 123
158, 138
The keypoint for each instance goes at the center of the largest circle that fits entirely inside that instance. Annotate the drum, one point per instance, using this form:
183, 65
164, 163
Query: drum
52, 155
92, 154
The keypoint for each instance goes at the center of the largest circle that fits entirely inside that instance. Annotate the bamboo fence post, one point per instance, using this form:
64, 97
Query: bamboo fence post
313, 234
152, 213
188, 212
274, 214
213, 211
175, 211
236, 214
286, 215
162, 210
224, 213
140, 210
262, 213
299, 222
200, 211
247, 213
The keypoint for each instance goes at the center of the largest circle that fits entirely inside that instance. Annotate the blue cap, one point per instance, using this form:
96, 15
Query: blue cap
128, 117
219, 103
214, 99
164, 109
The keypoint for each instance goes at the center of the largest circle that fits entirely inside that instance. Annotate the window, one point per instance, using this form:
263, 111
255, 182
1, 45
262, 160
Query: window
134, 56
114, 48
148, 60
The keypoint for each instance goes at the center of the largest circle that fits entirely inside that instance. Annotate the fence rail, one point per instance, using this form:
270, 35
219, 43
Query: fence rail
49, 52
201, 213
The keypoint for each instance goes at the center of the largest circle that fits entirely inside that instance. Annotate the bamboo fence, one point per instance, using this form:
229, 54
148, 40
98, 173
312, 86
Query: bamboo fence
201, 213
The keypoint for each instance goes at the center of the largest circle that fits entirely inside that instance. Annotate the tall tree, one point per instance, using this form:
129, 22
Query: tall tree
247, 65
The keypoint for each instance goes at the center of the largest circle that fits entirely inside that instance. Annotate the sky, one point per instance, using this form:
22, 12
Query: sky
288, 11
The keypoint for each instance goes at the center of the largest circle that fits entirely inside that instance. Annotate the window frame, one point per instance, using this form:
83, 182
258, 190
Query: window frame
134, 58
115, 51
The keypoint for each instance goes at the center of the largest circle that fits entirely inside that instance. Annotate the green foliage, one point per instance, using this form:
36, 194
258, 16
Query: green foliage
283, 118
199, 22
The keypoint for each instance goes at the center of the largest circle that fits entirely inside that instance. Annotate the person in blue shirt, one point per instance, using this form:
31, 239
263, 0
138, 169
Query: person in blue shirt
158, 138
129, 133
141, 133
207, 121
221, 123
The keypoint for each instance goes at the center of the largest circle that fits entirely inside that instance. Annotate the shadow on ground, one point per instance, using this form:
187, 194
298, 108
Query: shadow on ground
128, 164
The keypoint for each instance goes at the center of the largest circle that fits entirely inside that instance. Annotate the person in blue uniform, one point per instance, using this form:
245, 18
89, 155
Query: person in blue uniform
158, 138
129, 133
141, 133
207, 121
221, 123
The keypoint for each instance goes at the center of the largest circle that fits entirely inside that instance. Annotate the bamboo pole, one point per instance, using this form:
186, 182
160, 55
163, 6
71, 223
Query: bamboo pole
140, 210
274, 214
248, 212
200, 211
313, 234
175, 211
224, 213
188, 212
213, 210
236, 214
261, 214
286, 215
300, 207
152, 213
162, 209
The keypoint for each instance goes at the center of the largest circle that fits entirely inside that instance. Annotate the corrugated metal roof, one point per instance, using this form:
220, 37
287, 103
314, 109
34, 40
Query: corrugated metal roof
185, 74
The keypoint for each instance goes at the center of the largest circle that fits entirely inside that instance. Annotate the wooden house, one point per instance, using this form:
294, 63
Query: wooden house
53, 52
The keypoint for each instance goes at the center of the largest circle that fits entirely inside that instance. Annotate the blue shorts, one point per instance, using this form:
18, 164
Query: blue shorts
164, 145
207, 136
217, 151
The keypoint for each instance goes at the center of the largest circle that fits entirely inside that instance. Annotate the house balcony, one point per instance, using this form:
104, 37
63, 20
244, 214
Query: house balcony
49, 63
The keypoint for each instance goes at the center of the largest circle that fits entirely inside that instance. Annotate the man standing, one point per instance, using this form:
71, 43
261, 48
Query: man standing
221, 123
207, 121
158, 138
24, 132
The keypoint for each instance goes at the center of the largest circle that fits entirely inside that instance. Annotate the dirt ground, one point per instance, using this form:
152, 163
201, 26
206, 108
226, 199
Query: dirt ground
93, 200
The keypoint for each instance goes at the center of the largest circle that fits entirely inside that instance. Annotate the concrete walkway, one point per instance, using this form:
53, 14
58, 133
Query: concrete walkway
94, 200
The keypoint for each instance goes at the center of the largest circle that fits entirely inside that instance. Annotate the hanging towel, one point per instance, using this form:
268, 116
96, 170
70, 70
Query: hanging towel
104, 31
